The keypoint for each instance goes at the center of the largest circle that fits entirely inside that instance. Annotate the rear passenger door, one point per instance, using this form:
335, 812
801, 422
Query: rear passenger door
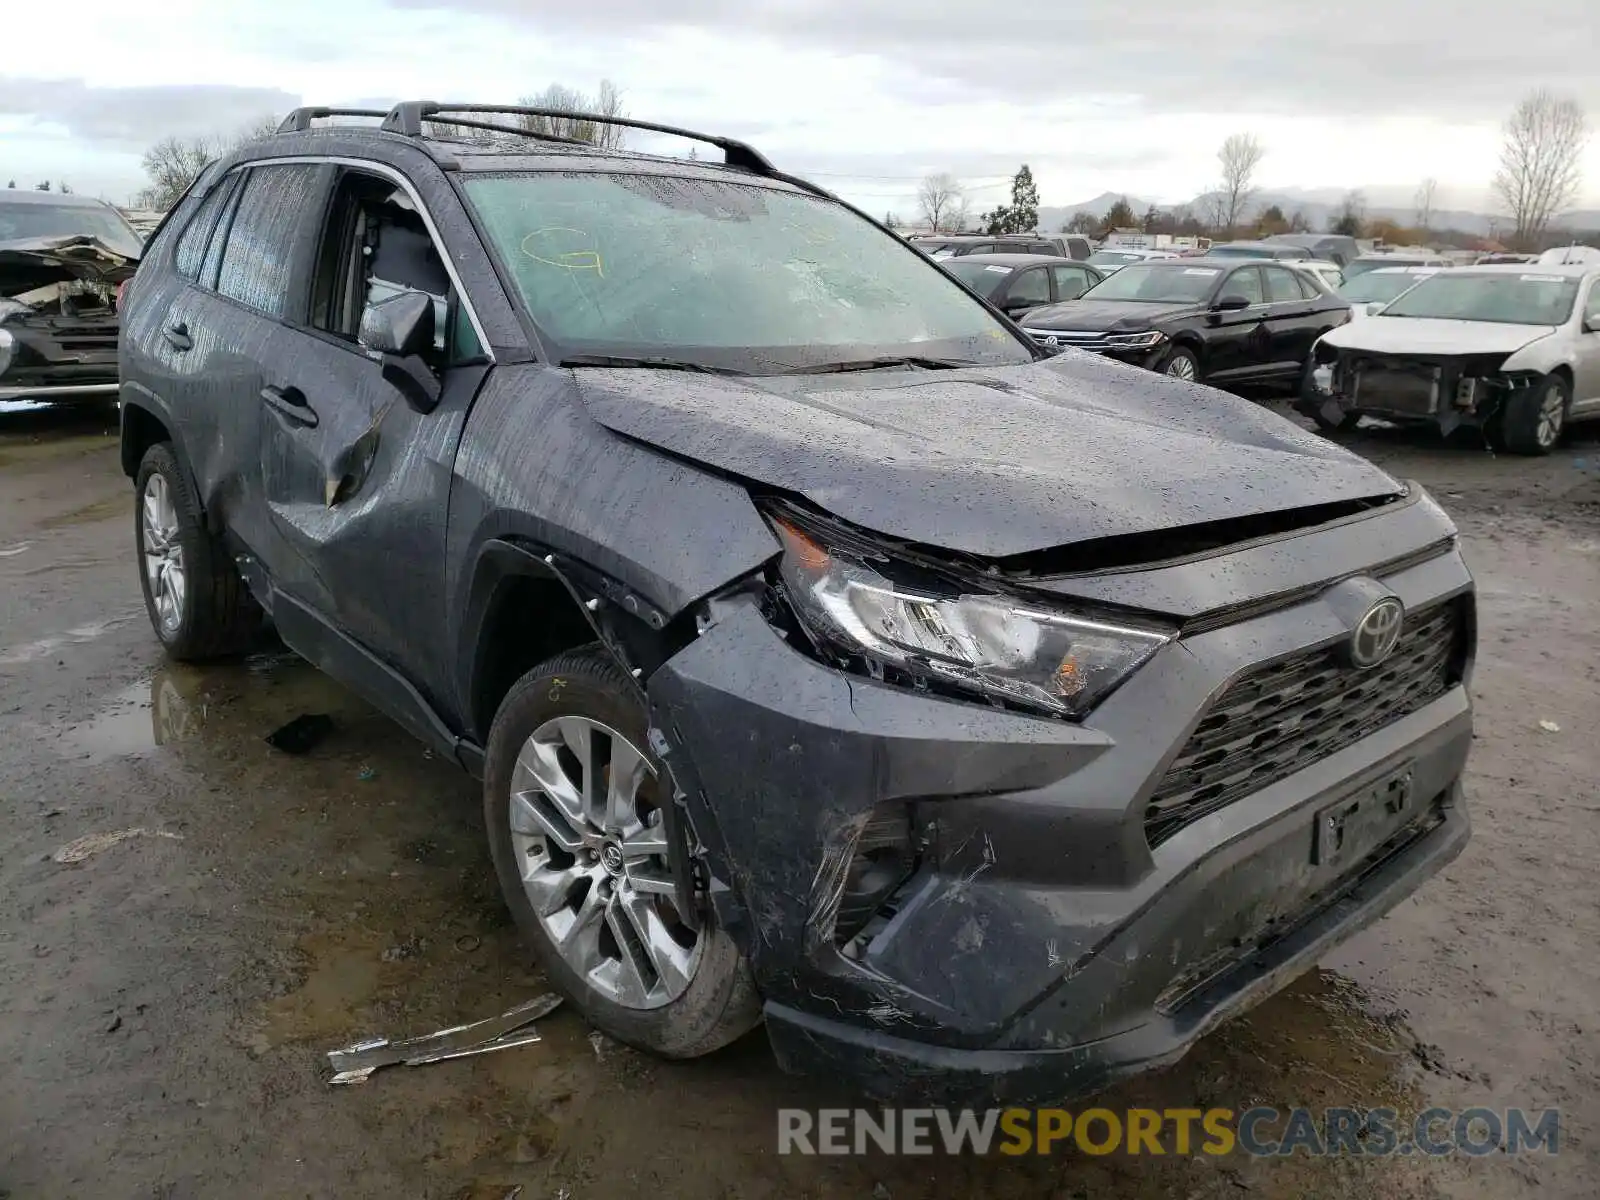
1586, 364
243, 255
1291, 320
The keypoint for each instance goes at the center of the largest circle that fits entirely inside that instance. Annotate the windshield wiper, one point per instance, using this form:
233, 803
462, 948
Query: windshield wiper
874, 364
663, 364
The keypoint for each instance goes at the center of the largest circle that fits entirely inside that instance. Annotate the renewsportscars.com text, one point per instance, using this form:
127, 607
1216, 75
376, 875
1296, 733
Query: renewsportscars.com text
1260, 1131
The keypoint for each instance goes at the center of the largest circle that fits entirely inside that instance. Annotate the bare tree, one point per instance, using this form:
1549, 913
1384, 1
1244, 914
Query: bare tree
1240, 155
606, 102
174, 163
1539, 161
1424, 203
942, 202
1352, 216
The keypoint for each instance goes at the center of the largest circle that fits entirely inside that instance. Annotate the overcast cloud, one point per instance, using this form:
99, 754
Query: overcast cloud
868, 95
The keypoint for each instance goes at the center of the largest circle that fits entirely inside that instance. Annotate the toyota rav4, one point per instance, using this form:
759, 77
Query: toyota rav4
990, 722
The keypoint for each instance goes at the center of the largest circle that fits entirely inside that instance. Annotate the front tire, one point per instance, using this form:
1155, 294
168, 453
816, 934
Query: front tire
1181, 363
1534, 418
572, 800
198, 604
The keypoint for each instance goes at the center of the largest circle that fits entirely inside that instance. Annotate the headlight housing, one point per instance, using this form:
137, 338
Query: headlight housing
8, 350
1136, 341
901, 620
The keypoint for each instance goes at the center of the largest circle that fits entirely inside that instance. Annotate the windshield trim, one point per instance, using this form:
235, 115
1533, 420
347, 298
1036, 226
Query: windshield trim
549, 348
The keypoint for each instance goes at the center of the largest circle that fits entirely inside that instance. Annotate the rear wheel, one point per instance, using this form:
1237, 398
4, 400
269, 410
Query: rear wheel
573, 801
1181, 363
198, 605
1534, 418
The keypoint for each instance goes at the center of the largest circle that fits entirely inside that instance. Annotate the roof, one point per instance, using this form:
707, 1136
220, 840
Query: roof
1010, 260
1565, 270
1407, 269
58, 199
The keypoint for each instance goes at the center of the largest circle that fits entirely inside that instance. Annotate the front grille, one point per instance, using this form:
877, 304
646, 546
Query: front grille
1283, 717
1079, 339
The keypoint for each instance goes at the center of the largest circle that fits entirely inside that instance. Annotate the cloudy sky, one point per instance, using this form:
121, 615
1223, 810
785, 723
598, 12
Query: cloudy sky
866, 96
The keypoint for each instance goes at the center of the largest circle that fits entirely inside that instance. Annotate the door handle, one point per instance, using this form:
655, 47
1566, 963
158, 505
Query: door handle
290, 402
177, 336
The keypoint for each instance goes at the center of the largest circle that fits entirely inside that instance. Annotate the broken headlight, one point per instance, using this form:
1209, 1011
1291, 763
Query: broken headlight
931, 630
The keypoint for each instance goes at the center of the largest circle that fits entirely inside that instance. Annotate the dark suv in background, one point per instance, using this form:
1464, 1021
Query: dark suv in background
943, 245
991, 723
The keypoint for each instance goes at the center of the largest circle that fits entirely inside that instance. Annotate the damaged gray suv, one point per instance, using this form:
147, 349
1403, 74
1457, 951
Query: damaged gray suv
991, 724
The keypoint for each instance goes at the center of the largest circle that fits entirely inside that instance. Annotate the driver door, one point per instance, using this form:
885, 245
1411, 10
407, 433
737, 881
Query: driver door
1237, 339
356, 479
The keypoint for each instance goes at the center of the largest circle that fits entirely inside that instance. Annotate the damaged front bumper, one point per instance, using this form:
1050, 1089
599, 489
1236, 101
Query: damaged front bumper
1447, 392
957, 903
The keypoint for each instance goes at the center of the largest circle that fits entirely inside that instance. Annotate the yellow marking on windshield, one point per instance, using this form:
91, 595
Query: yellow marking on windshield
584, 258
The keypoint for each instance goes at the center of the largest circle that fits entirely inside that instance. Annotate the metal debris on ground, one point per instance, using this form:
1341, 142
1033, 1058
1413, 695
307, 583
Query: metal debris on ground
89, 844
303, 733
1549, 726
366, 774
355, 1062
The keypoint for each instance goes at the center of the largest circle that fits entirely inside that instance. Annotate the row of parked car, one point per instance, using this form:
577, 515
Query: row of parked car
1512, 348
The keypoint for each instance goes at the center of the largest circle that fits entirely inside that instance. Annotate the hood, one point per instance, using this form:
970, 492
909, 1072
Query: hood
27, 264
990, 462
1379, 334
1098, 315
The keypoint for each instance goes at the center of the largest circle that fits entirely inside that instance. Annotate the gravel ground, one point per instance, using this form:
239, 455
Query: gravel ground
165, 1002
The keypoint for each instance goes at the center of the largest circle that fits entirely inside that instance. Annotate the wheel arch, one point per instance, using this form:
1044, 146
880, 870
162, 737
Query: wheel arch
527, 605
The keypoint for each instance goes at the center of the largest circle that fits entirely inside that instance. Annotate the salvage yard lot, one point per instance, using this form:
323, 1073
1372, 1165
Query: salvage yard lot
165, 1002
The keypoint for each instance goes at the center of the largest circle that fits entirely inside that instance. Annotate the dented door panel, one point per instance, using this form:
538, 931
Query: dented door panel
357, 484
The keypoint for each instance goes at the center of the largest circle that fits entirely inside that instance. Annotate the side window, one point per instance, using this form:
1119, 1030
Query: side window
1283, 285
1041, 248
1029, 287
231, 188
259, 259
376, 245
190, 251
1071, 282
1246, 283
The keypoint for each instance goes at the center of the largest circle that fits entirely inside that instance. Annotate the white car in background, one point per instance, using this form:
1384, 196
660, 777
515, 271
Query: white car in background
1511, 350
1329, 274
1114, 258
1368, 293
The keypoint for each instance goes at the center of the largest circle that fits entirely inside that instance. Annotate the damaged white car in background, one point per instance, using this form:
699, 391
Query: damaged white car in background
1513, 350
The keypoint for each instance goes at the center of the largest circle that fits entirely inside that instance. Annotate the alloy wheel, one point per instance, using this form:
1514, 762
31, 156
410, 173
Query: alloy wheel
1552, 415
586, 828
163, 553
1181, 366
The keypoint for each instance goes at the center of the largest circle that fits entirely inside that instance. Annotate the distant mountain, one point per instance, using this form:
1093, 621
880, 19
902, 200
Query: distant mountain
1320, 207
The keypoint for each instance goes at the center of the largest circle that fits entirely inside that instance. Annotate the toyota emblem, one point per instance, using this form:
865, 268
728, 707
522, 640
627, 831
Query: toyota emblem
1377, 633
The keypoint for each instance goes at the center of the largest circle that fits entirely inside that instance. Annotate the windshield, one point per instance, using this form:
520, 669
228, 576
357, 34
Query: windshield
28, 220
732, 275
1102, 257
1362, 265
1157, 282
1378, 285
983, 278
1507, 298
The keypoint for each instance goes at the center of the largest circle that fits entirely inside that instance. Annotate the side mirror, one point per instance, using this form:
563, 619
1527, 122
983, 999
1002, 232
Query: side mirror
401, 324
1232, 302
400, 329
1016, 304
1592, 324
